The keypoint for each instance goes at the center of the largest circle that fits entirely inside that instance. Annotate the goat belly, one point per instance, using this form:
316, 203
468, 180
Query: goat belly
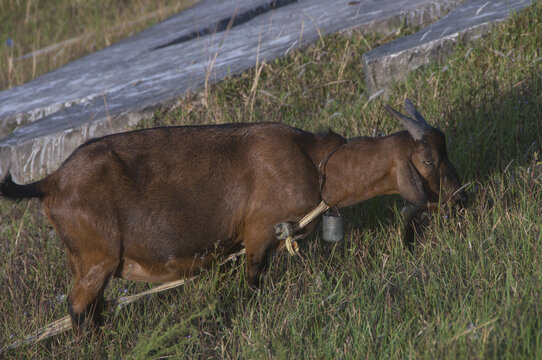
160, 272
177, 236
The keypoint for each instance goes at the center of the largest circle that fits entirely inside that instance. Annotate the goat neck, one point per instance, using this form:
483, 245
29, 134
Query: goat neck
364, 168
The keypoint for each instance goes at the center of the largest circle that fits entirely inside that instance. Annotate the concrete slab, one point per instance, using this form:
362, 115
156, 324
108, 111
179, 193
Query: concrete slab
392, 61
116, 87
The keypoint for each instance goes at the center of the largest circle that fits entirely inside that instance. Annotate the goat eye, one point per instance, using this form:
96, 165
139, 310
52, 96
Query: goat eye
428, 163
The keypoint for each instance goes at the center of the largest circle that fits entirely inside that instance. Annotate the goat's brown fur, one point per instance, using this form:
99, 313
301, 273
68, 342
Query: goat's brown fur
157, 204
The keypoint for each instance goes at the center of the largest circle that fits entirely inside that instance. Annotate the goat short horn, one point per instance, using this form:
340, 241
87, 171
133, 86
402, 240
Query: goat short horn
413, 127
415, 114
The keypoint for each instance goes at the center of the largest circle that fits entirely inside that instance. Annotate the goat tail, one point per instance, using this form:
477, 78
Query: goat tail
14, 191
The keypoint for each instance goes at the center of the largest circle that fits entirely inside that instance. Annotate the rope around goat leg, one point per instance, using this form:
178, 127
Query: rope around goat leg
285, 231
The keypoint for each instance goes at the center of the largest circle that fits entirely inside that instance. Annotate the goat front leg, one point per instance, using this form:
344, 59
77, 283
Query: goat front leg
257, 245
416, 219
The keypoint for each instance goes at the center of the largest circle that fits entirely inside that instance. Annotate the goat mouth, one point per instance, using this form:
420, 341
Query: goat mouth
449, 209
459, 198
452, 199
449, 206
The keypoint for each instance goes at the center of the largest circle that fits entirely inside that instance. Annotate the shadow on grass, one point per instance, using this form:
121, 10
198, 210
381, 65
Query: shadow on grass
494, 133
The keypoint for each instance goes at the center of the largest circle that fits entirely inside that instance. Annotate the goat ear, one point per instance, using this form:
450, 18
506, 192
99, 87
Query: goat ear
409, 184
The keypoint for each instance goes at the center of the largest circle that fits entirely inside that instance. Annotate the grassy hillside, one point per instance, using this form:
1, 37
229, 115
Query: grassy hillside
471, 288
60, 31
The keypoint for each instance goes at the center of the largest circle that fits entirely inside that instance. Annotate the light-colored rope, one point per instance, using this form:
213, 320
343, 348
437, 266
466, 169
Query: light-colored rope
311, 216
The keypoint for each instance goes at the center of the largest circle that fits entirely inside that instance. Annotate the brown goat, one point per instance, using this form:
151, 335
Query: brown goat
157, 204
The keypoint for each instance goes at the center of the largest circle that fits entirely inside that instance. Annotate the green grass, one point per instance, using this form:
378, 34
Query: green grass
471, 288
33, 25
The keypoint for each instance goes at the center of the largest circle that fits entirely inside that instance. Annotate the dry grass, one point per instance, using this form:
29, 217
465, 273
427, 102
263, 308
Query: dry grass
39, 36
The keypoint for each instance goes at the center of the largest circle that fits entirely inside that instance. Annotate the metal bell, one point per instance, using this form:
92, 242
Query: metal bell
332, 226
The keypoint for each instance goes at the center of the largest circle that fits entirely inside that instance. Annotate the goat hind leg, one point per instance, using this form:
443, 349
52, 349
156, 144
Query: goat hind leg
86, 297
